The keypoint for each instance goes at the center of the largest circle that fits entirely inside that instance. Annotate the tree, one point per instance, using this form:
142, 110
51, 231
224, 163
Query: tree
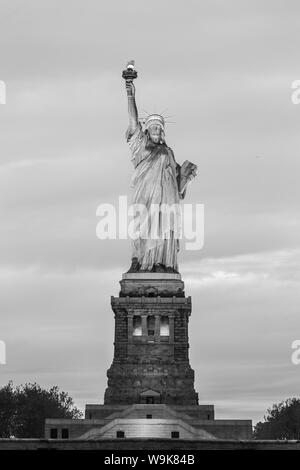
7, 410
282, 421
23, 409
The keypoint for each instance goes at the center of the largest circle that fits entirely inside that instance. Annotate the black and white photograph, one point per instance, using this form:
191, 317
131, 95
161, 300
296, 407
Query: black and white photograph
150, 229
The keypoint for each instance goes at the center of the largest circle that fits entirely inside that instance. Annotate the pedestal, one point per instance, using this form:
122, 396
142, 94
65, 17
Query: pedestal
151, 361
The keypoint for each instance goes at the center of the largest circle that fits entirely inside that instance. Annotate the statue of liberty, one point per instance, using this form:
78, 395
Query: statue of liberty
158, 184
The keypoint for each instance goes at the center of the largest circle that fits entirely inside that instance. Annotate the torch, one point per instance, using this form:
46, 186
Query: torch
129, 74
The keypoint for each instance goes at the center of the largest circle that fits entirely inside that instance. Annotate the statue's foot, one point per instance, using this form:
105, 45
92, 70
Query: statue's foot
135, 266
159, 268
169, 269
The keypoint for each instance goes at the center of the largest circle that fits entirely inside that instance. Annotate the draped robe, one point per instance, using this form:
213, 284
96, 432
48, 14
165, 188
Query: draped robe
154, 185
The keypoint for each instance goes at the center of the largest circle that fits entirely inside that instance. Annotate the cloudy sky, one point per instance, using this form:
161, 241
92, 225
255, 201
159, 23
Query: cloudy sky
223, 70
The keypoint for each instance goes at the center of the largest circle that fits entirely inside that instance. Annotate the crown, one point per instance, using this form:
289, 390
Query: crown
154, 118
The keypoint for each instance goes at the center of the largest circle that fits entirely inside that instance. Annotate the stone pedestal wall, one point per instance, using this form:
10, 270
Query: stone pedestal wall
151, 366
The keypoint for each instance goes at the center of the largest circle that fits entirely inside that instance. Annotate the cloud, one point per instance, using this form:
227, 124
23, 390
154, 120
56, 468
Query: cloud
223, 71
59, 328
245, 317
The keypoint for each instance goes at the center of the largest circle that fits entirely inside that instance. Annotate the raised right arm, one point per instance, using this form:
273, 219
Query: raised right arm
132, 109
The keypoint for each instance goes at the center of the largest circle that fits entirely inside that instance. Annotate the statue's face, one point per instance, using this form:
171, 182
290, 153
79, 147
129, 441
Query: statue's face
155, 133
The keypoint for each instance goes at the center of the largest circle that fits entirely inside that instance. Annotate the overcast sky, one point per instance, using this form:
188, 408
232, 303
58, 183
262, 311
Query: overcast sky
223, 70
